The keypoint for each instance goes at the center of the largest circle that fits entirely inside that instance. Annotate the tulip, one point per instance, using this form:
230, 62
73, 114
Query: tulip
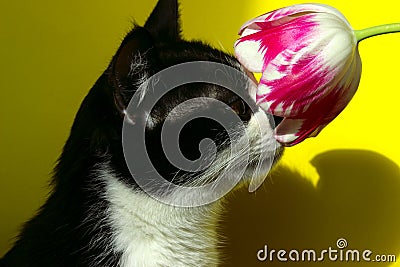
310, 64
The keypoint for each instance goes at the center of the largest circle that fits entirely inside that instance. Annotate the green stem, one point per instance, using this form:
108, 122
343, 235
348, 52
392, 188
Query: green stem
377, 30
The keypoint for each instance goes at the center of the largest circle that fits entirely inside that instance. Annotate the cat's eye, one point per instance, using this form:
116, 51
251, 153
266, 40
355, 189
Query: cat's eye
241, 109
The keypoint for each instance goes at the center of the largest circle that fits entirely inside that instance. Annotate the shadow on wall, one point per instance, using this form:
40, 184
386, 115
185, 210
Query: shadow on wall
357, 198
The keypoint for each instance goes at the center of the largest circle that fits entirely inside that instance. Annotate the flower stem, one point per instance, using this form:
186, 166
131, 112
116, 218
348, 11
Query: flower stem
377, 30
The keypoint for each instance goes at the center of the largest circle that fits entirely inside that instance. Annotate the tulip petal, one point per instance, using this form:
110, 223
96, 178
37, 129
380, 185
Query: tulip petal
287, 131
289, 89
291, 132
289, 11
264, 37
249, 55
298, 77
259, 47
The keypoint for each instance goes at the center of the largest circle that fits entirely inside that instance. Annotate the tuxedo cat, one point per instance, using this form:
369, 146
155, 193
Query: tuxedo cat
97, 214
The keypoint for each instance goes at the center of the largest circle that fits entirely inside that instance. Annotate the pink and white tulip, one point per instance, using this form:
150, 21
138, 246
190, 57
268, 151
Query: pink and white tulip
310, 66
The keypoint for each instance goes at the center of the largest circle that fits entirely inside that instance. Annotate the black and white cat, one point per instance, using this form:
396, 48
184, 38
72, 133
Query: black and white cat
97, 215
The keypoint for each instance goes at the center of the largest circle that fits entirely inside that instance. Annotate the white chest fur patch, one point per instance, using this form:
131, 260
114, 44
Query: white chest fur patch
149, 233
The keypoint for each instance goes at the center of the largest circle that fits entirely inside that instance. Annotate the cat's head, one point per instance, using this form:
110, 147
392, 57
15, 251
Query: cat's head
215, 128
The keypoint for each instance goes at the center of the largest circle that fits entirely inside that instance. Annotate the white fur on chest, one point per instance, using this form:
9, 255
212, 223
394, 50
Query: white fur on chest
149, 233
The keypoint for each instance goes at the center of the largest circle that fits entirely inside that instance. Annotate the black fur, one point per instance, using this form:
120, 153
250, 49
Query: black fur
71, 228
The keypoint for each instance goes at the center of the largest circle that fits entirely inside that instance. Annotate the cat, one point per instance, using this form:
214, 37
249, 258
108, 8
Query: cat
97, 214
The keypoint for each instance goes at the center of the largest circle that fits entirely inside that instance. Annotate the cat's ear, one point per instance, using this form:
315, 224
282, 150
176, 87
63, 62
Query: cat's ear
138, 52
130, 64
164, 23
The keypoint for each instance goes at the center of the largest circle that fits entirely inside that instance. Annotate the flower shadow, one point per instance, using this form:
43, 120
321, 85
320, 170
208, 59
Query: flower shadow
357, 198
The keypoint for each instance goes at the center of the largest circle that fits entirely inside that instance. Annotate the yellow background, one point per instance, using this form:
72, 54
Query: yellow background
343, 184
